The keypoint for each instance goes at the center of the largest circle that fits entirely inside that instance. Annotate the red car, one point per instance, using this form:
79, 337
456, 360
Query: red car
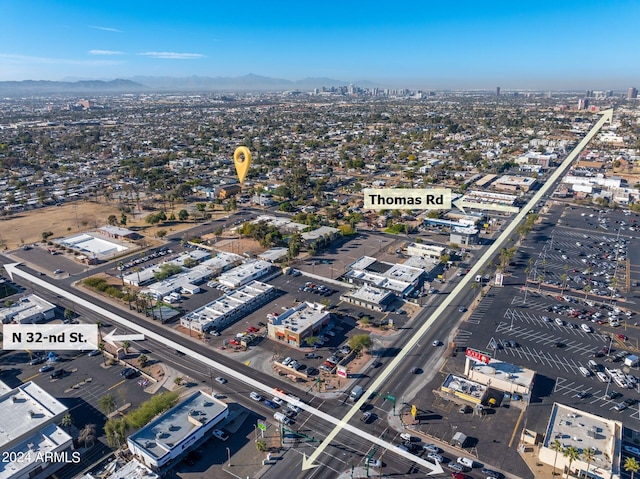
622, 337
252, 329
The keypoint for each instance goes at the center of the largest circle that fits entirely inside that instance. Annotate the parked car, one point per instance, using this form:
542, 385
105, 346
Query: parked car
220, 434
128, 373
95, 352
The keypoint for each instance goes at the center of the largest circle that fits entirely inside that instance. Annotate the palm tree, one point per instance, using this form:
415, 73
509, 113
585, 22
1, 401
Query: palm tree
126, 345
67, 421
101, 347
87, 434
587, 290
556, 446
572, 454
588, 455
564, 279
631, 465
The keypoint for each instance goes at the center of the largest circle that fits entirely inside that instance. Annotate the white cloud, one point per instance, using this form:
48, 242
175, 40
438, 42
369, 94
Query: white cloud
26, 59
105, 52
106, 29
173, 55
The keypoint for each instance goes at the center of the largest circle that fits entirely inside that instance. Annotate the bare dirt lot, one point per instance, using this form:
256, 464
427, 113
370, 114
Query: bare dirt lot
27, 227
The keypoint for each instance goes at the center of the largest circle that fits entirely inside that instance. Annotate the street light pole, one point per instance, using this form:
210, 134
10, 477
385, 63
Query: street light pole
229, 456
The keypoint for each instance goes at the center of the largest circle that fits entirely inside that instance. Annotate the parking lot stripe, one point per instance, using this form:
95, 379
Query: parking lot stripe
116, 385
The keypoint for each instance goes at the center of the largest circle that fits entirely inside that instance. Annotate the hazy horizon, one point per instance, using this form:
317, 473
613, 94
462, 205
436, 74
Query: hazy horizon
425, 45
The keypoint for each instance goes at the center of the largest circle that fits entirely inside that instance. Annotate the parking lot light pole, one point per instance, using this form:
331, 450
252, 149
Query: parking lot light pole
229, 456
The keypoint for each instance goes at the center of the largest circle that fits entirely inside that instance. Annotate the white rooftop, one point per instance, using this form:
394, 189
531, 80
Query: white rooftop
369, 294
166, 432
300, 317
25, 409
26, 307
239, 275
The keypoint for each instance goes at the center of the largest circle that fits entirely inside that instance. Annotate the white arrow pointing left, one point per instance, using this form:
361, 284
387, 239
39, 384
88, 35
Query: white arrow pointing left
111, 338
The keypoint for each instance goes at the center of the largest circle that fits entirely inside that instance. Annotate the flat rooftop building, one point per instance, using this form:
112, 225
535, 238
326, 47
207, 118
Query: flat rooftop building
229, 308
28, 428
369, 297
425, 250
582, 430
171, 434
244, 273
29, 309
297, 323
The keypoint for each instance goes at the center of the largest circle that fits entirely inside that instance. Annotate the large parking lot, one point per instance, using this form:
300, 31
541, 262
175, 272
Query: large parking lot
557, 327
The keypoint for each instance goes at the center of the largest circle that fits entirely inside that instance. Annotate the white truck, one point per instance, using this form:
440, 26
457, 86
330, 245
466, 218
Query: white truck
356, 392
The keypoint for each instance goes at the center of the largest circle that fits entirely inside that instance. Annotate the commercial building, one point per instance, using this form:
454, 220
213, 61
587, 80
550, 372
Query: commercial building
369, 297
324, 234
503, 376
29, 435
582, 430
29, 309
513, 183
425, 250
462, 389
397, 278
229, 308
464, 236
130, 470
171, 434
243, 274
297, 323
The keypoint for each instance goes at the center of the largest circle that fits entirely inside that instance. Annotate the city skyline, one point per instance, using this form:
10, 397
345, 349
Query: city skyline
528, 45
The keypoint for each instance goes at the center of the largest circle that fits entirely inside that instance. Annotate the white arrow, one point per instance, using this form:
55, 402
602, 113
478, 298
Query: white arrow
310, 462
111, 338
12, 269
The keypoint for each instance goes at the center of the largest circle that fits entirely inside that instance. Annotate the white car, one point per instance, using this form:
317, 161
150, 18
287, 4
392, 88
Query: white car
255, 396
406, 436
436, 343
293, 407
286, 361
374, 462
435, 457
278, 401
220, 434
221, 380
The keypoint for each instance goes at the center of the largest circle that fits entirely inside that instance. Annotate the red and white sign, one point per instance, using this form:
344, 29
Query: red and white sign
342, 371
477, 356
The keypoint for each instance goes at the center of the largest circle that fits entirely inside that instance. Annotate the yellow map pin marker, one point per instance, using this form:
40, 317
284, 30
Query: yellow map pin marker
242, 160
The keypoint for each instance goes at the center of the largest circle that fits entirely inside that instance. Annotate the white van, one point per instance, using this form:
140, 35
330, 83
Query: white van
584, 371
602, 377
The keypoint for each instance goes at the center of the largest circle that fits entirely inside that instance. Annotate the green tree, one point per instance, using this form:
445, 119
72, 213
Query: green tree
107, 404
67, 421
143, 360
588, 455
123, 219
68, 314
183, 215
126, 345
46, 235
572, 454
261, 445
359, 342
112, 220
312, 340
631, 465
161, 233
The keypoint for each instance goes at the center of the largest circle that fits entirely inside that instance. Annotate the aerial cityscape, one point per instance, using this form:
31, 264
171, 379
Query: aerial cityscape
318, 251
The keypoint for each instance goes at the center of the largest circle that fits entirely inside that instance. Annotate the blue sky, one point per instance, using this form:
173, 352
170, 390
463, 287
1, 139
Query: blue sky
420, 44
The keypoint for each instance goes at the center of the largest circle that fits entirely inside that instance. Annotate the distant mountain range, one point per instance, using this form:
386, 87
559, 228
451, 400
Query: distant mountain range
248, 82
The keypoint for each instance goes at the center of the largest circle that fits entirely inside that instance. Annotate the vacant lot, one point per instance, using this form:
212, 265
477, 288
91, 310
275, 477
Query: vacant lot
27, 227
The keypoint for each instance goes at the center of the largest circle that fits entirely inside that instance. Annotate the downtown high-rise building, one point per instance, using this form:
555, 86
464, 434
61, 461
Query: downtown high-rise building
497, 91
632, 93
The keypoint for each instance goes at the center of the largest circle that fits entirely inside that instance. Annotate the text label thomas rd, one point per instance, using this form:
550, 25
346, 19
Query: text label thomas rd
407, 199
